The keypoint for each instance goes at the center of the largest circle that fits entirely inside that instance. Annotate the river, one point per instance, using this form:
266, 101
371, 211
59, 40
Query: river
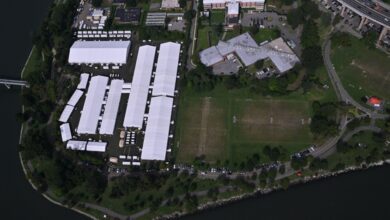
360, 195
18, 20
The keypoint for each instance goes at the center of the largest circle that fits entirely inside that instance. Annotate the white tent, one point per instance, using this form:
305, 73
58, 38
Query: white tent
157, 129
140, 86
65, 115
99, 52
166, 71
96, 146
66, 134
111, 109
84, 77
75, 98
92, 106
76, 145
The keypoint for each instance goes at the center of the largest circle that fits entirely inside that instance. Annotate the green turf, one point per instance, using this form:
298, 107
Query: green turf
217, 17
362, 71
203, 38
252, 129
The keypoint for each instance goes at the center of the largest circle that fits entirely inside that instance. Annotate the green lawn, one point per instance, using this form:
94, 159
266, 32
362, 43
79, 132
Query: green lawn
33, 64
262, 35
231, 125
203, 38
217, 17
362, 71
266, 34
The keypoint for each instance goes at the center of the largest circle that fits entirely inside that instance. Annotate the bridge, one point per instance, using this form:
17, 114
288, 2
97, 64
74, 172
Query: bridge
10, 82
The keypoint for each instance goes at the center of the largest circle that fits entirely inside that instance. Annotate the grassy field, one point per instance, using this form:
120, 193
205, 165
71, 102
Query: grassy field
217, 17
232, 125
206, 35
362, 71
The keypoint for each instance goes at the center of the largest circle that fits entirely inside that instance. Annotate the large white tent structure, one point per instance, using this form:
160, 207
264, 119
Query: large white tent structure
99, 52
75, 98
157, 129
65, 115
66, 134
76, 145
112, 106
140, 86
166, 71
84, 77
96, 146
92, 106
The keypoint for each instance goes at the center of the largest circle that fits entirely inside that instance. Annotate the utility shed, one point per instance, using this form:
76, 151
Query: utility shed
76, 145
166, 71
99, 52
157, 129
139, 88
111, 109
66, 134
92, 106
96, 146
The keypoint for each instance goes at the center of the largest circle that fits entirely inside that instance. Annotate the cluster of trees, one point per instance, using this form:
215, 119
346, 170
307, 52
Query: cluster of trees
307, 11
201, 78
98, 3
274, 85
318, 164
58, 170
324, 121
267, 176
275, 153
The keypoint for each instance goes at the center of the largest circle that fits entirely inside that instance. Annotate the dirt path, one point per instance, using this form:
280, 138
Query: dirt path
203, 126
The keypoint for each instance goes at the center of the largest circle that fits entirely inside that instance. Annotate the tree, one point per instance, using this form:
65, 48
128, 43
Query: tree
183, 3
295, 17
200, 5
97, 3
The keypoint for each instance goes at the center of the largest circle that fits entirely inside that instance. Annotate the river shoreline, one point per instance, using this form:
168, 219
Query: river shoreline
47, 197
261, 192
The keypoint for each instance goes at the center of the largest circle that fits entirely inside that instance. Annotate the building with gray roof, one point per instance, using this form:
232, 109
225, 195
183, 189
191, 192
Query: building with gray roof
247, 50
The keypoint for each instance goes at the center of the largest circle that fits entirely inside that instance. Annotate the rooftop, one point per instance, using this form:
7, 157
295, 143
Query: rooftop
249, 52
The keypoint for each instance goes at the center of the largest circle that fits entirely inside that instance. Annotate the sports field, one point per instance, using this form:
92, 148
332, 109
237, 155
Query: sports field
362, 71
233, 127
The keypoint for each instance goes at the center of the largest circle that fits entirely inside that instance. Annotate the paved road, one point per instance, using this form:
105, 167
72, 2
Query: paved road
350, 134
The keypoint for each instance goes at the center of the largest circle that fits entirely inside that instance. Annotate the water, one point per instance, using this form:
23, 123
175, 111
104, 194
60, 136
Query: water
359, 195
18, 20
